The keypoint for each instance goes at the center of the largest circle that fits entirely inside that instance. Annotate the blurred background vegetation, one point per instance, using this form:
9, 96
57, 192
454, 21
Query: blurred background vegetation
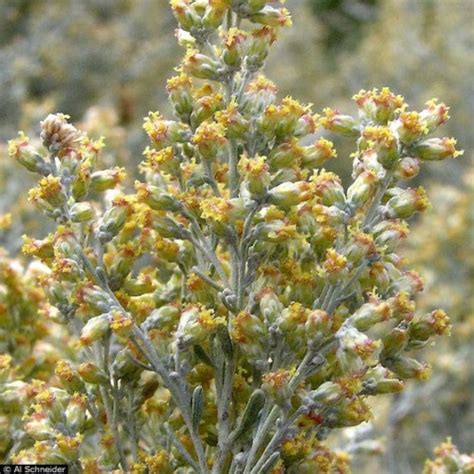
105, 63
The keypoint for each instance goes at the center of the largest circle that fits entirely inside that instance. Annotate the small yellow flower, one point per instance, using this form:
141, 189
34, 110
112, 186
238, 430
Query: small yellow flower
5, 221
120, 323
178, 82
49, 189
216, 209
334, 262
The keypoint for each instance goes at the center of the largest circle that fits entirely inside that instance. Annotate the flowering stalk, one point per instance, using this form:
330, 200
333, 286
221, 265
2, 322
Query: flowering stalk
240, 304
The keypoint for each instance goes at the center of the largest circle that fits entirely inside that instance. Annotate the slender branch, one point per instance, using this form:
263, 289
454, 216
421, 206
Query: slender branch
181, 449
276, 439
206, 279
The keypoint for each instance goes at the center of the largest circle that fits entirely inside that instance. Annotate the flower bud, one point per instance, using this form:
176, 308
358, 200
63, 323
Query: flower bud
329, 188
437, 149
402, 306
82, 180
286, 155
248, 329
271, 16
360, 246
26, 154
383, 142
179, 90
306, 125
220, 211
49, 194
259, 94
328, 393
290, 194
90, 373
13, 395
379, 107
370, 314
167, 249
355, 349
93, 296
206, 106
146, 387
390, 233
270, 305
81, 212
318, 153
338, 123
69, 446
434, 114
162, 161
406, 203
169, 228
42, 249
379, 380
407, 168
115, 218
156, 198
53, 401
139, 286
210, 139
106, 179
410, 127
214, 13
39, 427
234, 123
324, 237
410, 282
124, 367
334, 266
185, 14
351, 412
123, 261
120, 323
256, 174
95, 329
65, 243
57, 134
67, 269
362, 189
162, 318
276, 231
277, 386
196, 324
421, 328
258, 46
318, 323
68, 377
165, 133
75, 413
201, 66
408, 368
367, 161
283, 121
233, 45
293, 318
56, 292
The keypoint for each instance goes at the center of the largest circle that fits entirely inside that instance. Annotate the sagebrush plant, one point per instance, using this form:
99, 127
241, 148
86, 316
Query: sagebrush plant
240, 304
449, 460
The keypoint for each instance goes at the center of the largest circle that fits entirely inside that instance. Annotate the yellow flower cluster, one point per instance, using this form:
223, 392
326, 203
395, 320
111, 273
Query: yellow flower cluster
237, 262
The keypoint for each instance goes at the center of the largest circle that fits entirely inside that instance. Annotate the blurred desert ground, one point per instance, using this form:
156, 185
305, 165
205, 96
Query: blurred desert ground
105, 63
